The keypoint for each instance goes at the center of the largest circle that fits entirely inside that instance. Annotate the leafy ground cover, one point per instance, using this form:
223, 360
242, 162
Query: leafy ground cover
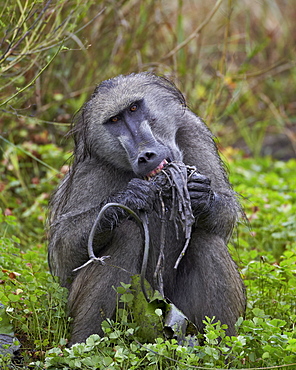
264, 247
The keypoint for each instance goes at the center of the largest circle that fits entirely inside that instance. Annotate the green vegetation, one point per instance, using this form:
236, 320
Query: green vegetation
235, 61
265, 250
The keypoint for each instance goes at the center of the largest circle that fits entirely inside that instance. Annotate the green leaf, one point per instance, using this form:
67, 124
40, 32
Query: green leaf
150, 324
5, 325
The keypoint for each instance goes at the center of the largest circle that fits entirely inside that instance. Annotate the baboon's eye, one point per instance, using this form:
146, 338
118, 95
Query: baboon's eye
133, 107
114, 119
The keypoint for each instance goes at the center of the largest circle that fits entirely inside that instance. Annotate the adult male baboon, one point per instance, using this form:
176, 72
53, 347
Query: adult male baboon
130, 129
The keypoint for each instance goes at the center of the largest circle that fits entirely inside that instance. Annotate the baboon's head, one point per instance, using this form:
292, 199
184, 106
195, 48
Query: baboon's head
131, 122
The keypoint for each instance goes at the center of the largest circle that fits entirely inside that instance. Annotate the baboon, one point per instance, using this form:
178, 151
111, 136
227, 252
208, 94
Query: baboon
129, 130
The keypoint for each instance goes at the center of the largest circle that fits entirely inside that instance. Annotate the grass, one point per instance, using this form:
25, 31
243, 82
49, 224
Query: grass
266, 255
235, 62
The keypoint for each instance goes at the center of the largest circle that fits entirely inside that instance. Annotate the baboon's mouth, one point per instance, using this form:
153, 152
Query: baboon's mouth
157, 169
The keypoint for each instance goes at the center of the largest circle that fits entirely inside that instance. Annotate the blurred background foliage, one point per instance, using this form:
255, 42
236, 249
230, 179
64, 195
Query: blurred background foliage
234, 60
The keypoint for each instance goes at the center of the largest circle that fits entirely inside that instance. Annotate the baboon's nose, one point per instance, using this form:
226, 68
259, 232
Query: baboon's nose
145, 157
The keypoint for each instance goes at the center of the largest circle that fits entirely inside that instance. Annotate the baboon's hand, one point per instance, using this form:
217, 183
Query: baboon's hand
201, 194
140, 195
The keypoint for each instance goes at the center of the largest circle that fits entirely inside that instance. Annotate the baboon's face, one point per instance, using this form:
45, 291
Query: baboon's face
133, 123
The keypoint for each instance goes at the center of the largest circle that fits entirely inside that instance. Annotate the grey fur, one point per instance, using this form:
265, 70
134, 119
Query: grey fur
108, 166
